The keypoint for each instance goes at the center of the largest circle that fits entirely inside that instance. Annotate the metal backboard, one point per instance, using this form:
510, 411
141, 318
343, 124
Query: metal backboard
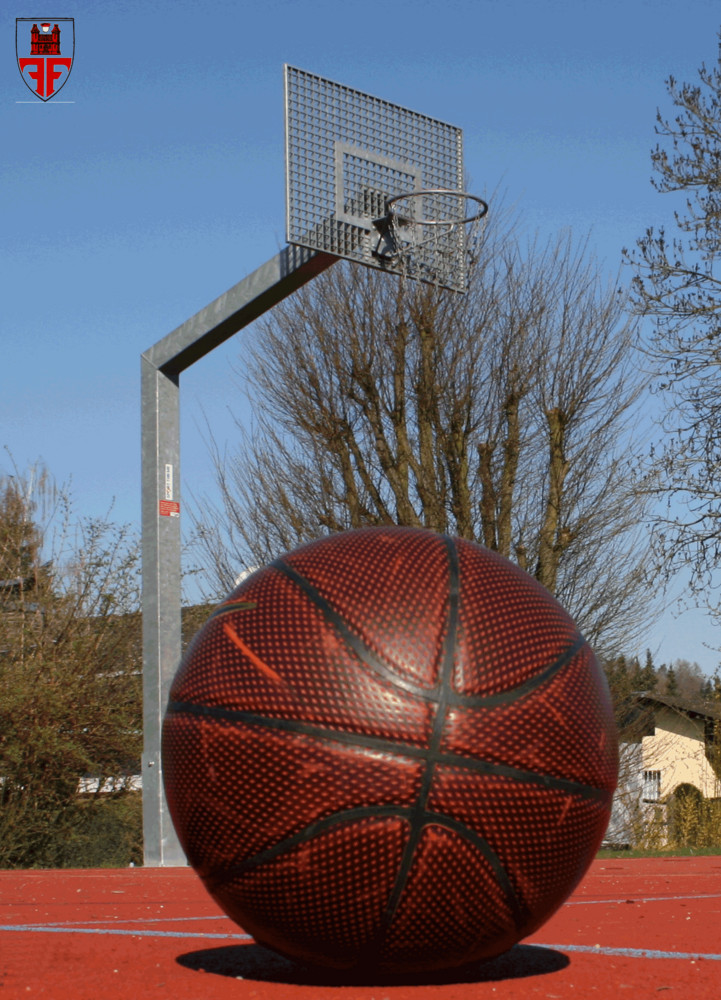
346, 154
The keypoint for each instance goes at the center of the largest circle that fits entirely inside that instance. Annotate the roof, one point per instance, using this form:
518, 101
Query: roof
695, 708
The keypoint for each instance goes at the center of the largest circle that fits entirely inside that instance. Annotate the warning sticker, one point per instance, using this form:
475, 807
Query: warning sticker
169, 508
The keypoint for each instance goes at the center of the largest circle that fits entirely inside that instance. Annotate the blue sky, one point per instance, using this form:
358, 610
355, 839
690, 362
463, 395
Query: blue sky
160, 184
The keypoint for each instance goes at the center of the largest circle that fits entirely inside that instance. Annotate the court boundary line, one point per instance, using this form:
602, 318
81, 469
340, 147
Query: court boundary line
643, 899
121, 932
606, 950
601, 950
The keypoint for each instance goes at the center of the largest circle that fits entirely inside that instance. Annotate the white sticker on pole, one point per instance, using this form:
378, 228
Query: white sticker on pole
167, 507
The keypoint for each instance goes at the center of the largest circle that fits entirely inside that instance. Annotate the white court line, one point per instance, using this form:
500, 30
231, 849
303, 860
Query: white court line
587, 949
122, 932
128, 920
644, 899
630, 952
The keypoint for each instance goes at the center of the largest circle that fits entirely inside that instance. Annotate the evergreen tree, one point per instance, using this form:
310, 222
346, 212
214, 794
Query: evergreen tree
671, 682
645, 678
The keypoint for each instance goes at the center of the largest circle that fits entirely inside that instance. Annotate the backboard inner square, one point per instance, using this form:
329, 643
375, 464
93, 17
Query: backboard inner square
363, 180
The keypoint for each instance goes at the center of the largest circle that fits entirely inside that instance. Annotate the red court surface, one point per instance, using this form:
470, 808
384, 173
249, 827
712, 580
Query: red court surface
634, 928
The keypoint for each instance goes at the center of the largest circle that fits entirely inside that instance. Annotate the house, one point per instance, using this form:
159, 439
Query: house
670, 753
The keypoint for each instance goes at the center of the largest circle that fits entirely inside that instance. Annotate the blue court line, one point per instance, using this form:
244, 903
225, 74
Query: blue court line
630, 952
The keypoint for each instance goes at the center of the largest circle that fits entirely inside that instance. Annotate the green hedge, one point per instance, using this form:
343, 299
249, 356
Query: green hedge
101, 832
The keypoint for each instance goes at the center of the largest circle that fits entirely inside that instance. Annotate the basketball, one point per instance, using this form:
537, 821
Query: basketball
389, 749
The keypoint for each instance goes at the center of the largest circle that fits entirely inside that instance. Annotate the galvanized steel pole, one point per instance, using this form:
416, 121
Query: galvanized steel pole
161, 366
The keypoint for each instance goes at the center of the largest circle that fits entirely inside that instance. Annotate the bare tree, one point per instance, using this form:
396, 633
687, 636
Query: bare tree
504, 415
677, 282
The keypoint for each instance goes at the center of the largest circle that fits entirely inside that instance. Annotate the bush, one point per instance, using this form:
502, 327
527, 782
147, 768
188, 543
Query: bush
107, 833
70, 676
692, 820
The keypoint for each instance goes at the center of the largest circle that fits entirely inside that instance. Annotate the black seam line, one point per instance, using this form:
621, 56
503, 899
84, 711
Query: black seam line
518, 911
524, 689
446, 682
418, 814
356, 645
344, 736
221, 877
567, 785
314, 829
224, 609
378, 744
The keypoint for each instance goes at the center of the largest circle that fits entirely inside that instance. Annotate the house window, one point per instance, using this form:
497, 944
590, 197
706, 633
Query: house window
651, 786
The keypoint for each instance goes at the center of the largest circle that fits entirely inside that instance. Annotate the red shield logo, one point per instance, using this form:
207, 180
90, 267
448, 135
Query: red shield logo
45, 49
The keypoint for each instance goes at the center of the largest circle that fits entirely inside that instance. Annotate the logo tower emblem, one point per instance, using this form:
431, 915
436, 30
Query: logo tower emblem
44, 58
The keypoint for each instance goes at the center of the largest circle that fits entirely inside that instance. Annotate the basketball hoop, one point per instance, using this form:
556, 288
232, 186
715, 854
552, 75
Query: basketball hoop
422, 228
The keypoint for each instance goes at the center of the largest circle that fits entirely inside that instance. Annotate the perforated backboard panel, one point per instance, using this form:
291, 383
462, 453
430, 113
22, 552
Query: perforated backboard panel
346, 153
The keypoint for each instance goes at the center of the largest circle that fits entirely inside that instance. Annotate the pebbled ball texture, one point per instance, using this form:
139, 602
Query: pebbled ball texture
390, 749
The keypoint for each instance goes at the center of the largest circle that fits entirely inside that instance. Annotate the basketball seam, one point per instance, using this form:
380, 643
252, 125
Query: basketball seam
418, 812
213, 879
518, 912
525, 687
360, 740
354, 642
371, 659
313, 829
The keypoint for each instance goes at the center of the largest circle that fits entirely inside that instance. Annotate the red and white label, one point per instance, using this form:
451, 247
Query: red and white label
169, 508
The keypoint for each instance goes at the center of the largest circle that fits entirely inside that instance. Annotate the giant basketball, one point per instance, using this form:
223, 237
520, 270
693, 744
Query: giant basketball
390, 749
